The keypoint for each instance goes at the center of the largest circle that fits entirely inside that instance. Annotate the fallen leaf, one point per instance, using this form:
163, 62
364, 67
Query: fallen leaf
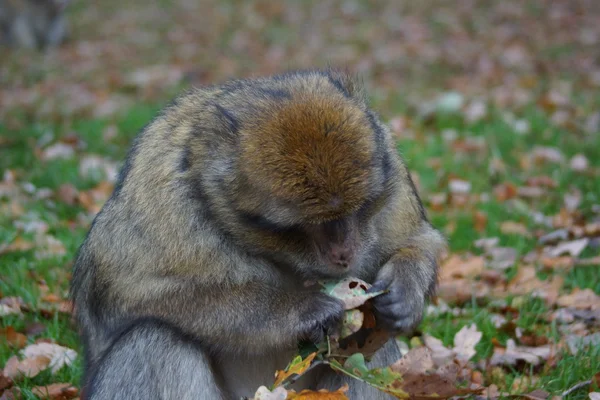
526, 282
58, 151
19, 244
98, 168
547, 154
579, 163
459, 186
480, 220
319, 395
585, 299
297, 367
513, 353
56, 391
48, 246
38, 357
28, 367
514, 228
384, 379
440, 354
5, 381
457, 266
577, 343
573, 248
34, 328
10, 305
13, 338
421, 379
465, 341
505, 191
501, 258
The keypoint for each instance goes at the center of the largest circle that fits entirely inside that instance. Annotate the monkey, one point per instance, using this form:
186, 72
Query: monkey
33, 24
189, 283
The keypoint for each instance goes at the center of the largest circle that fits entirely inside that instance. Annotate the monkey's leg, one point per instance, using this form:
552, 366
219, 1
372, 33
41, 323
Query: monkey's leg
57, 32
331, 380
152, 360
22, 34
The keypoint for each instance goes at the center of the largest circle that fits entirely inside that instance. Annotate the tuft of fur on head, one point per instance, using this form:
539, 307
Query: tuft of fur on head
314, 150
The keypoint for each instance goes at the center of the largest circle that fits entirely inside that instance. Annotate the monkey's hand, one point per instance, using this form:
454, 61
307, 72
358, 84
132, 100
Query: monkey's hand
408, 281
320, 315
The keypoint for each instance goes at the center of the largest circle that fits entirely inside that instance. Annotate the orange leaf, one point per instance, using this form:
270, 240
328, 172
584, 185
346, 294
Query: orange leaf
320, 395
14, 338
56, 391
297, 367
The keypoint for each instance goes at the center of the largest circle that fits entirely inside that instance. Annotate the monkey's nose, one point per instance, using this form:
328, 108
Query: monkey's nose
340, 256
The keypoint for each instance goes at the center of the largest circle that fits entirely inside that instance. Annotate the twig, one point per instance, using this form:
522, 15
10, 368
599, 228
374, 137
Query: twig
576, 387
291, 380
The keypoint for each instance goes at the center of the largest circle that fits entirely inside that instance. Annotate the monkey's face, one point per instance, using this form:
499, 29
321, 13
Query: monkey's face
332, 248
310, 171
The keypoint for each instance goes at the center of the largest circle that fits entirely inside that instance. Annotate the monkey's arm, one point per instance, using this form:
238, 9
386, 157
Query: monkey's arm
252, 316
410, 275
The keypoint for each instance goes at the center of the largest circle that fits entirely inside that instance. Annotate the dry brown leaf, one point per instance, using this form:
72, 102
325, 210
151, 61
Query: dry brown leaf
38, 357
56, 391
480, 220
5, 381
514, 228
513, 353
19, 244
13, 338
526, 282
319, 395
11, 305
28, 367
563, 262
505, 191
585, 299
422, 379
67, 194
457, 266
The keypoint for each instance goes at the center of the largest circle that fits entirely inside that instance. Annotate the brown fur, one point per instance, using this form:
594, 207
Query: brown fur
229, 200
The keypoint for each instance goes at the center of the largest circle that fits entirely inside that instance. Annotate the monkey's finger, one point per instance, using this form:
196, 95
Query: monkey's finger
378, 286
388, 299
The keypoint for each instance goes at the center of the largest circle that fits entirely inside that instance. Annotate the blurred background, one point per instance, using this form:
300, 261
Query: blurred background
495, 106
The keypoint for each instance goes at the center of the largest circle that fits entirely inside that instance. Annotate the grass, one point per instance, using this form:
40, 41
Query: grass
23, 275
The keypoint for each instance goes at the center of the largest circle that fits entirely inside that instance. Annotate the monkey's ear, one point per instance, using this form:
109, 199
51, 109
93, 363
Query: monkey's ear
346, 83
226, 117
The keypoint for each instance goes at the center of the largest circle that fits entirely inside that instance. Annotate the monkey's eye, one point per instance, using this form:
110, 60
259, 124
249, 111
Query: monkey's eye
258, 221
373, 205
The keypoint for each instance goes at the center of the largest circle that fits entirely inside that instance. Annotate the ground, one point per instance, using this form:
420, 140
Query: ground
494, 106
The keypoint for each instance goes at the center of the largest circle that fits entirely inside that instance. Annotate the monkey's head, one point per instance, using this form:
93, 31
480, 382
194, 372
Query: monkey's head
311, 172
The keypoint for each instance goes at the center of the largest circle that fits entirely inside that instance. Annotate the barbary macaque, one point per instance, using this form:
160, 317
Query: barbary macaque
33, 24
189, 284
